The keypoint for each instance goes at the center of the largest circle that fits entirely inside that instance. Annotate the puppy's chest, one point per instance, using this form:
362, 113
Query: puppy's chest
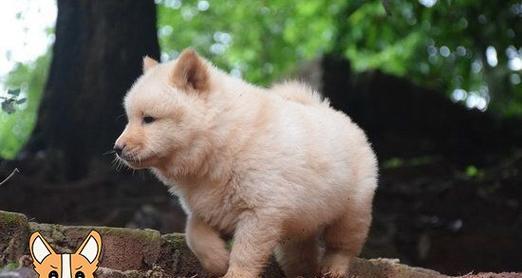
218, 209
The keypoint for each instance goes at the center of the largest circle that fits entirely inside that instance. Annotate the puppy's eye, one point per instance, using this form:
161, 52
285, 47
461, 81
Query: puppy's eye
148, 119
53, 274
79, 274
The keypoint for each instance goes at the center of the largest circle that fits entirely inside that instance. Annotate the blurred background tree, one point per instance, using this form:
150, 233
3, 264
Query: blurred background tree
96, 57
469, 49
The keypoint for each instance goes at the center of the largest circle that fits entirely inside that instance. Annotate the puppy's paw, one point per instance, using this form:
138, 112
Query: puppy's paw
217, 265
332, 275
333, 271
335, 265
238, 273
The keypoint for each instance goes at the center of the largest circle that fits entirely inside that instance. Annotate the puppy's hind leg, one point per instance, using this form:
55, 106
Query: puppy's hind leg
298, 257
344, 240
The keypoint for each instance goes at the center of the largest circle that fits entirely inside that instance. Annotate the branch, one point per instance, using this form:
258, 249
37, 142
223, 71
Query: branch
386, 5
10, 176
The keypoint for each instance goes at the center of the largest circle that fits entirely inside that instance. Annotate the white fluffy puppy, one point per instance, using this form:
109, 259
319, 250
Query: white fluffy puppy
277, 169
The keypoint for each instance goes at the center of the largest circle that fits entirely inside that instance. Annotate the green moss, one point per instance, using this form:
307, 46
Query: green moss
146, 235
134, 274
59, 232
10, 218
175, 240
14, 232
11, 266
52, 232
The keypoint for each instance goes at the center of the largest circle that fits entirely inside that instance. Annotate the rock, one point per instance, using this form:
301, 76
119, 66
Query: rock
14, 233
494, 275
123, 249
389, 268
135, 253
177, 258
104, 272
22, 272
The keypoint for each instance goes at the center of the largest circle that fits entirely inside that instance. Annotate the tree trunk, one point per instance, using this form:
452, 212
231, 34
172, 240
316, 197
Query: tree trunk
96, 57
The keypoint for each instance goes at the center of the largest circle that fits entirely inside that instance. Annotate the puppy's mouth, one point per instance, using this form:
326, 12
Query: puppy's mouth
136, 162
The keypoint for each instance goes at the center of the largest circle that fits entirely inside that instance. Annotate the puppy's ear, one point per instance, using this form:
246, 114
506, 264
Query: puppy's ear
190, 72
91, 248
148, 63
39, 248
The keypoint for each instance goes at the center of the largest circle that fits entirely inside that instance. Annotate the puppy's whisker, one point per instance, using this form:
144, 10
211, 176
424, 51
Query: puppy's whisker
120, 116
109, 152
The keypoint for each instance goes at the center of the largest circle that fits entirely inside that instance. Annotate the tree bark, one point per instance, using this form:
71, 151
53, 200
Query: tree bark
96, 57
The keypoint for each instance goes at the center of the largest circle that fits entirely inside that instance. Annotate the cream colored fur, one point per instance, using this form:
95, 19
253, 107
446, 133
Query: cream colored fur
277, 169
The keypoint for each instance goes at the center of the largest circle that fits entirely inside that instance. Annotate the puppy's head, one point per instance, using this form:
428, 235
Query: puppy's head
165, 110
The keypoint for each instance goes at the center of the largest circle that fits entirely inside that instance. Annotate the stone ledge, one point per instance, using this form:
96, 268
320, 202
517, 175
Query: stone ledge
135, 253
14, 232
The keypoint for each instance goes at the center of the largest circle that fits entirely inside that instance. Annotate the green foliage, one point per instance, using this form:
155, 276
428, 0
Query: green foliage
396, 162
440, 44
437, 43
17, 124
452, 51
261, 41
471, 171
474, 172
392, 163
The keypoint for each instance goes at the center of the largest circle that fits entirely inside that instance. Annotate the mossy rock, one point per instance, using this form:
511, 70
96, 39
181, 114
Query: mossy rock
389, 268
14, 234
135, 253
155, 272
123, 249
177, 259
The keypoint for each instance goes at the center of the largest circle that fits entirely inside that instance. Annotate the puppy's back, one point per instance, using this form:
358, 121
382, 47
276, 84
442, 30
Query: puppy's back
299, 92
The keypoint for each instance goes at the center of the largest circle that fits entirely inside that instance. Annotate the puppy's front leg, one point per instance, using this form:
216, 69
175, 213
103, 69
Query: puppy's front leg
254, 239
207, 245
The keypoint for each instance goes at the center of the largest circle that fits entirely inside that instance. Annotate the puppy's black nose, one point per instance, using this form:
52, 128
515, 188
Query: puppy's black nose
118, 149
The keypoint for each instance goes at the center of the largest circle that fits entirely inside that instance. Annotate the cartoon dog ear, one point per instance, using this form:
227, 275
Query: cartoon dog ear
91, 247
148, 63
190, 72
39, 248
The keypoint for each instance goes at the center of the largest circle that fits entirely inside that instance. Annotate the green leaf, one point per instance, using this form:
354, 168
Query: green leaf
472, 171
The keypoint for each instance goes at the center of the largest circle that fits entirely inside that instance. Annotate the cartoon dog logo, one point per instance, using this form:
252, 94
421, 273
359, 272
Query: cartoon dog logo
81, 264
